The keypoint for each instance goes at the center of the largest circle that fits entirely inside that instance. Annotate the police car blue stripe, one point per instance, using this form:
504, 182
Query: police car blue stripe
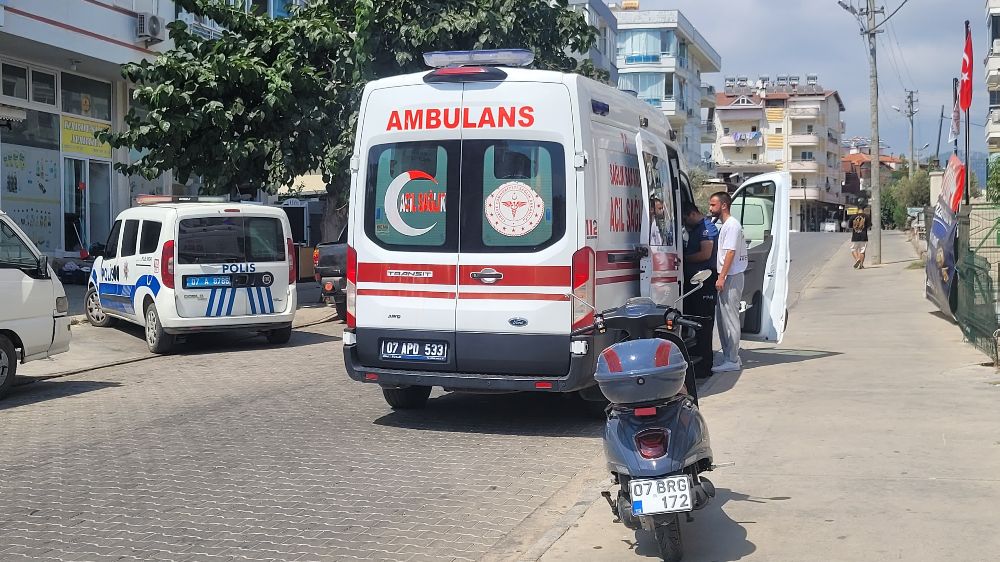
260, 299
211, 299
253, 305
270, 301
232, 298
222, 302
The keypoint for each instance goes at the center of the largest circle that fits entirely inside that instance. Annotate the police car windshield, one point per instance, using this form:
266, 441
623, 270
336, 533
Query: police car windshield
230, 239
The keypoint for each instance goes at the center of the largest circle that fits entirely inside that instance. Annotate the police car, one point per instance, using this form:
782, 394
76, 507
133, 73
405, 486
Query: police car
179, 265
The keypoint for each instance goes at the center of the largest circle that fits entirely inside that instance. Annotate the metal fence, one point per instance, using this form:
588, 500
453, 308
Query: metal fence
978, 265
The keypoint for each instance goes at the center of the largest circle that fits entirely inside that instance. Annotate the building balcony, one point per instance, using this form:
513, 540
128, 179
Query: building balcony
709, 134
803, 139
816, 193
739, 139
993, 130
804, 113
707, 96
993, 69
806, 166
642, 59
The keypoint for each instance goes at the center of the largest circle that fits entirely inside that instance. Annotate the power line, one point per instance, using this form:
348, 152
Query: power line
890, 15
899, 48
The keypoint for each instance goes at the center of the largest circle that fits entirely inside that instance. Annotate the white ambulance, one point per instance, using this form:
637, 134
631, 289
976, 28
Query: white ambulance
182, 265
482, 196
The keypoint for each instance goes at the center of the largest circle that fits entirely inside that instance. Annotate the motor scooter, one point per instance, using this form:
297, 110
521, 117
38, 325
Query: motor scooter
656, 440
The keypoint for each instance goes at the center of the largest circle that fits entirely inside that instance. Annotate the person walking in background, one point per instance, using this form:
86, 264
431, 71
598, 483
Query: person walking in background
731, 260
699, 254
860, 225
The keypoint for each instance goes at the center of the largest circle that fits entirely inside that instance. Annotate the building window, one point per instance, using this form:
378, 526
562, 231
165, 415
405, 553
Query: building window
725, 130
642, 42
994, 30
15, 81
753, 156
647, 85
994, 99
753, 128
774, 103
806, 155
30, 174
777, 130
809, 129
43, 87
86, 97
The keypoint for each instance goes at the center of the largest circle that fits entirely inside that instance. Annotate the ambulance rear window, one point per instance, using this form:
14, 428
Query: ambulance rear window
410, 187
230, 240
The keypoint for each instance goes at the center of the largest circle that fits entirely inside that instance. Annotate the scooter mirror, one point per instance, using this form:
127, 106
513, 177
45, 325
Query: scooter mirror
701, 276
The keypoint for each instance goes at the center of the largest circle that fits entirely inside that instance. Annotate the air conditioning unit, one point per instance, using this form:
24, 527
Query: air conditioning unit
149, 28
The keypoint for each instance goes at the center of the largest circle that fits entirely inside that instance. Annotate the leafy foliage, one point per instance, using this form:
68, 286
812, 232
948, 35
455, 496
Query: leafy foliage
993, 181
272, 99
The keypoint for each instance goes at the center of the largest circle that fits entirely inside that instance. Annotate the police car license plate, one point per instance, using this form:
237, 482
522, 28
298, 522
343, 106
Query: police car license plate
207, 281
662, 495
414, 350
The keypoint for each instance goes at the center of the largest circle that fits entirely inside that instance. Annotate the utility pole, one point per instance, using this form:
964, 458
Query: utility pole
937, 151
909, 112
870, 30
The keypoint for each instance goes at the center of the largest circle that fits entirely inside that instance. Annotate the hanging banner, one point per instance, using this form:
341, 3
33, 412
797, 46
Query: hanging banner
940, 267
77, 137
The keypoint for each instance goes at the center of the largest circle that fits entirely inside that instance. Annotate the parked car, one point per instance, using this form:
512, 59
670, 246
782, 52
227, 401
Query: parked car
34, 323
330, 263
187, 265
830, 225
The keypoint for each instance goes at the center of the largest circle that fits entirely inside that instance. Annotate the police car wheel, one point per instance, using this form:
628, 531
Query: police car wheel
8, 364
279, 336
93, 310
157, 340
409, 398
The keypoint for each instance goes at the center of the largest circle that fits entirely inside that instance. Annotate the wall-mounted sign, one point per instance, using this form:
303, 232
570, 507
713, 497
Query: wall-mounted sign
77, 137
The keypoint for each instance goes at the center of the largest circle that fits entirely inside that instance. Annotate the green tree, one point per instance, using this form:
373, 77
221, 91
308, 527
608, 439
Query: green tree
272, 99
993, 181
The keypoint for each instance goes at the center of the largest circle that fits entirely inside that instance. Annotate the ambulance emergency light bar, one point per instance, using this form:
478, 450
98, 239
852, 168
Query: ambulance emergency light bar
490, 57
154, 199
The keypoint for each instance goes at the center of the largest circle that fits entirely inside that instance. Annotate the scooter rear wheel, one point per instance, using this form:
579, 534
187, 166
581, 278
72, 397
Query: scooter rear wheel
668, 539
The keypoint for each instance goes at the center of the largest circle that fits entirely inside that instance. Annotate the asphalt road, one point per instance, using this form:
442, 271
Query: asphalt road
235, 449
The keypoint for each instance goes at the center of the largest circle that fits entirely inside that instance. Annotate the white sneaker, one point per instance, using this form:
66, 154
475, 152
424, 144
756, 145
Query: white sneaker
727, 367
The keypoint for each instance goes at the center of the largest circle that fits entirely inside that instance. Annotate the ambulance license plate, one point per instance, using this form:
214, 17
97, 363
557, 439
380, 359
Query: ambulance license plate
662, 495
403, 350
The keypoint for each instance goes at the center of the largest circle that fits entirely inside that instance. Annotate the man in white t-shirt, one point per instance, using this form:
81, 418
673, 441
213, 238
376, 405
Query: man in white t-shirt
732, 262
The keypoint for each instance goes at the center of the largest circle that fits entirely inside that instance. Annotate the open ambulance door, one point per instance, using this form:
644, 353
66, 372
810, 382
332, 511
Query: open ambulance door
660, 234
762, 206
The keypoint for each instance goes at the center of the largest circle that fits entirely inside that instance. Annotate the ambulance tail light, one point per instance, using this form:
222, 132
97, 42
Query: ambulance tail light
292, 274
352, 287
584, 285
167, 264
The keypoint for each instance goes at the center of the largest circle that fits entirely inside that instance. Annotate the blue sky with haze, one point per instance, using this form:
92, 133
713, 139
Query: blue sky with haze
921, 50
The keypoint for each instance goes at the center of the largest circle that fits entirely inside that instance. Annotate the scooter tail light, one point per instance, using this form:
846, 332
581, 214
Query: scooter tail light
584, 285
167, 264
352, 287
652, 443
611, 358
662, 356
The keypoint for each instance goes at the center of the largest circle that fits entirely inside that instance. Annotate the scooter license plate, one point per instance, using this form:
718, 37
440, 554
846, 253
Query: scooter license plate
662, 495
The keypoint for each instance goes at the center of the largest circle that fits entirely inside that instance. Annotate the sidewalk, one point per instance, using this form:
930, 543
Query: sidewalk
124, 343
870, 433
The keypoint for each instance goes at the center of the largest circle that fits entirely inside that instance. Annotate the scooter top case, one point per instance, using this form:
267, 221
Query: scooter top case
656, 444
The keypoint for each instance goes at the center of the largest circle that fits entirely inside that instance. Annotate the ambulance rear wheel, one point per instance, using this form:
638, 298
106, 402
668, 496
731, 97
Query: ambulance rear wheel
94, 311
157, 340
409, 398
280, 336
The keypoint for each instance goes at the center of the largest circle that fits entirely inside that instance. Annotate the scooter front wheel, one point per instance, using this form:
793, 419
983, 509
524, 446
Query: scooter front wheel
668, 539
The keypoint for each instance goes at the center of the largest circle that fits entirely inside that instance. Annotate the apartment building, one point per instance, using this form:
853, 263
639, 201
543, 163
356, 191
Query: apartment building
602, 54
784, 124
60, 80
662, 57
993, 76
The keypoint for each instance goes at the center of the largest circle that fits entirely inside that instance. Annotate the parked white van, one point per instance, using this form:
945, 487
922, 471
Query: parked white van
33, 315
484, 196
182, 265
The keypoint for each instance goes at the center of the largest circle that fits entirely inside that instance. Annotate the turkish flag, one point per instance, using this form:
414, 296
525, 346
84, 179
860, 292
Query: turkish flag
965, 83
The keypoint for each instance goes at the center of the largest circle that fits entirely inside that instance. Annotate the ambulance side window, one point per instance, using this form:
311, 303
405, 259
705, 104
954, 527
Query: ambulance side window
409, 188
513, 194
661, 204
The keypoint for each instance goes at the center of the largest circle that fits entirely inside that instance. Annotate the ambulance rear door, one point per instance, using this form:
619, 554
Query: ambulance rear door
518, 233
660, 236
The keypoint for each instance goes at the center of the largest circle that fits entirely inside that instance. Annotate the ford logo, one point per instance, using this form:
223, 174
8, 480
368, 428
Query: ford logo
518, 322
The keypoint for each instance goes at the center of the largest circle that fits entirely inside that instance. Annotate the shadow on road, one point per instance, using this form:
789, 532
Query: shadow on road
713, 535
31, 390
753, 358
527, 414
943, 316
214, 342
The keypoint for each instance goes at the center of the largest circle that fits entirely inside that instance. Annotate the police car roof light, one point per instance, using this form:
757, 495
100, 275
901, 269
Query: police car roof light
491, 57
154, 199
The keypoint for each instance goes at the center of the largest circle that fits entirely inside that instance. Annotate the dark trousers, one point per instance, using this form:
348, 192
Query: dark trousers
701, 304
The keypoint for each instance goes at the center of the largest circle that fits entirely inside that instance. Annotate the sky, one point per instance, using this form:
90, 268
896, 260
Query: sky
920, 50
